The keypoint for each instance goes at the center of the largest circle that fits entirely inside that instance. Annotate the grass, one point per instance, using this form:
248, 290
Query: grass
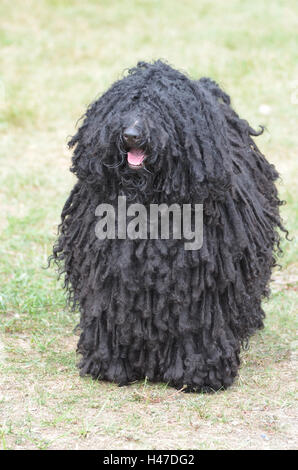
56, 56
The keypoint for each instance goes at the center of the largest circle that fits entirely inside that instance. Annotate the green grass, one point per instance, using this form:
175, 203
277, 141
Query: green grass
55, 57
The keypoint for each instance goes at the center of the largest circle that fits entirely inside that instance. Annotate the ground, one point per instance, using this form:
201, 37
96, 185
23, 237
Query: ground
56, 56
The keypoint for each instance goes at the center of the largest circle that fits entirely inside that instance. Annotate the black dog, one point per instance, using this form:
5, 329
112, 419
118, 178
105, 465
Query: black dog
149, 307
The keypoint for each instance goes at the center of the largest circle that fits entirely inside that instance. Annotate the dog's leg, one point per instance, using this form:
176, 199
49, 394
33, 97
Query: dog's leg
200, 364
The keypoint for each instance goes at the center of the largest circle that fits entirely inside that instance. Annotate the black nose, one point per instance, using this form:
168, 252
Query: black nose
131, 135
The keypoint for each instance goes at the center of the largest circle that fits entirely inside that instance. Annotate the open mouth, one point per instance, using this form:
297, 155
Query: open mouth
135, 158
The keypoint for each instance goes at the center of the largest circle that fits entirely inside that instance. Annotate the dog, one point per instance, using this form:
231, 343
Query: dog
149, 307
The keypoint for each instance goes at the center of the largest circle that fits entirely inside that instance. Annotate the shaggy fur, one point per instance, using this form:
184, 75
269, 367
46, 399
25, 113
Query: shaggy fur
149, 308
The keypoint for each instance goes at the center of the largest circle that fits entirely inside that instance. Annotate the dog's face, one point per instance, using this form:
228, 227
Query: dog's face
138, 140
134, 140
154, 131
141, 143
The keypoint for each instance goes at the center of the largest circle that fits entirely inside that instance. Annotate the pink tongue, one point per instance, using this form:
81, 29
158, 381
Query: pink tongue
135, 156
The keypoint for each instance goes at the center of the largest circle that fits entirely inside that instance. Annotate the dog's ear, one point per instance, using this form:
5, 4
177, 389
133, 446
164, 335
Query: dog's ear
229, 157
212, 87
88, 144
224, 139
208, 142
